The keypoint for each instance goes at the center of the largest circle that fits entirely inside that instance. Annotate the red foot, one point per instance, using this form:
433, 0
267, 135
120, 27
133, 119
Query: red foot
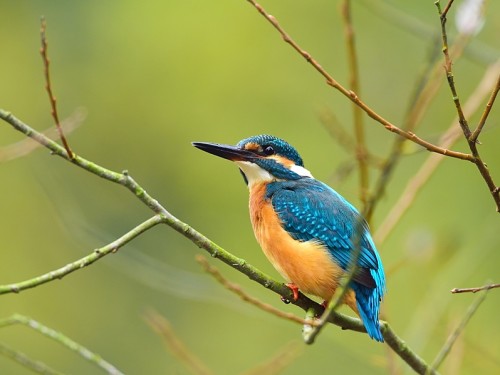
295, 289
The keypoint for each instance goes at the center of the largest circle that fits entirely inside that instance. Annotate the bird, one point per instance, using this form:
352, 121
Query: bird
307, 230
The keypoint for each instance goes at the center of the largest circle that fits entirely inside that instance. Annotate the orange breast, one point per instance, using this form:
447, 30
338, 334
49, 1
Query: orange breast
307, 264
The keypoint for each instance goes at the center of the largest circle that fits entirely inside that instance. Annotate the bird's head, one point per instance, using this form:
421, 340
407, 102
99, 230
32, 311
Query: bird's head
262, 158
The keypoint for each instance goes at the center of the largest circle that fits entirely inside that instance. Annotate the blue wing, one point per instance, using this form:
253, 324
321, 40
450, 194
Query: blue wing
311, 210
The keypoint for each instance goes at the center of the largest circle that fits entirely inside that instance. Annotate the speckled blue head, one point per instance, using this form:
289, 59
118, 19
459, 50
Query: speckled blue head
278, 145
261, 158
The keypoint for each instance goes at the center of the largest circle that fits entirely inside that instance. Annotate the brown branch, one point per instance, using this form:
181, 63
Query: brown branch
236, 289
427, 89
475, 157
344, 139
48, 86
281, 360
453, 133
359, 131
489, 105
164, 329
351, 95
475, 290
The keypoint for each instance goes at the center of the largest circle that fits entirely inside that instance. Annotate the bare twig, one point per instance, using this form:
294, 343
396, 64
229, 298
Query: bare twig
24, 360
344, 139
281, 360
351, 95
489, 105
359, 131
48, 86
63, 340
247, 298
454, 335
475, 290
164, 329
426, 90
453, 133
343, 288
476, 159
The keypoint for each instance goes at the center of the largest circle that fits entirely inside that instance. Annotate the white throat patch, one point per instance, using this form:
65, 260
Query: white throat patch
254, 173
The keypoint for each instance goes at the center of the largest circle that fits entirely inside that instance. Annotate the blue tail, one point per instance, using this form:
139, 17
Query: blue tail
368, 302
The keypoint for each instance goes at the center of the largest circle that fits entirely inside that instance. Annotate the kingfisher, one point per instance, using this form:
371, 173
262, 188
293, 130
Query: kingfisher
305, 228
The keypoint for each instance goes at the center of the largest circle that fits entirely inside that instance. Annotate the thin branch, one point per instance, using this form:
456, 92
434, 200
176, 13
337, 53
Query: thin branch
124, 179
476, 159
359, 131
445, 350
489, 105
343, 138
338, 297
48, 86
475, 290
83, 262
448, 69
164, 329
236, 289
85, 353
426, 90
427, 169
351, 95
24, 360
281, 360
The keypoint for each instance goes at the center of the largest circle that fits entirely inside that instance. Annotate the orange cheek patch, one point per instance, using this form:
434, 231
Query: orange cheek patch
251, 146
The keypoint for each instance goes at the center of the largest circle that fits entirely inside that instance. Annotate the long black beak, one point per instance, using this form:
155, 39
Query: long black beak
226, 151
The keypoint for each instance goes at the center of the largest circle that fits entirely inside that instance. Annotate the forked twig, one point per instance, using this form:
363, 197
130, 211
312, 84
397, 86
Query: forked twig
475, 157
426, 170
351, 95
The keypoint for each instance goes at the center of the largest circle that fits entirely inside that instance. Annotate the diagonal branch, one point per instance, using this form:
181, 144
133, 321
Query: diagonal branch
351, 95
475, 290
445, 350
489, 105
416, 183
63, 340
83, 262
469, 136
343, 321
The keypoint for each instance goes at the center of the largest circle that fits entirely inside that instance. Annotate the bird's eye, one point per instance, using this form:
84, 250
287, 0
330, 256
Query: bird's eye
268, 150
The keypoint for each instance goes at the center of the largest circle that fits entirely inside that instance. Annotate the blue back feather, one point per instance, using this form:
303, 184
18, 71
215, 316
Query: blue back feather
311, 210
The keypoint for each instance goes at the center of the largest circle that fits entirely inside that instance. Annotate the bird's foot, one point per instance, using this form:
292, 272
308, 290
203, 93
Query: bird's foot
295, 290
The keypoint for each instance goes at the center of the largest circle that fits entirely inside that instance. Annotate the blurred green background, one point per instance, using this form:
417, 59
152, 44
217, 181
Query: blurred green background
154, 76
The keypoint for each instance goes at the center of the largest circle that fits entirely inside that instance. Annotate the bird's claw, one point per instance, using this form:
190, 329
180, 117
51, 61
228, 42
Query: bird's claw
295, 290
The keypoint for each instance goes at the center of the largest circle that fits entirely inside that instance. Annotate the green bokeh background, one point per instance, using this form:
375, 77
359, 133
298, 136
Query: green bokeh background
156, 75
